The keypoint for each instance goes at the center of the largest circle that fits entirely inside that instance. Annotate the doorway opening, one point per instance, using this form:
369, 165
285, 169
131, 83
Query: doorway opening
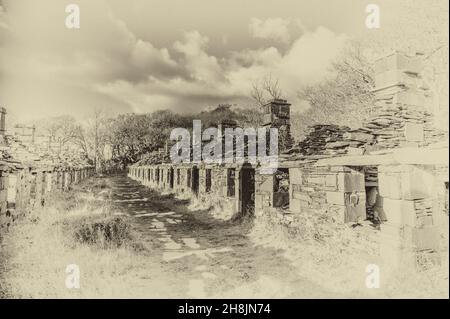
171, 175
188, 178
195, 180
208, 180
247, 191
231, 189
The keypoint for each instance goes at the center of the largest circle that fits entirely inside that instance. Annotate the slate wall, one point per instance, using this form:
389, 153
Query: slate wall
24, 189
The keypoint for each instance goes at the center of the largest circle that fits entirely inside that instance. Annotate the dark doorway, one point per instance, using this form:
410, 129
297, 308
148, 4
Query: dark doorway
171, 177
248, 191
189, 177
195, 180
208, 180
231, 191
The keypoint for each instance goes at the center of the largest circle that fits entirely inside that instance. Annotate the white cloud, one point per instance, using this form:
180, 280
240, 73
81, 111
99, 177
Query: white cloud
307, 60
4, 26
201, 66
276, 29
106, 64
3, 23
309, 57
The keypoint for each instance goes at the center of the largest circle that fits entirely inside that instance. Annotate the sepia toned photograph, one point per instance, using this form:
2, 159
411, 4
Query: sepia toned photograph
213, 150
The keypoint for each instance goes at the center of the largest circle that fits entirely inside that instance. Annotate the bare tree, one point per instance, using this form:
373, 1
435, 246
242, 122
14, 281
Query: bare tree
266, 89
344, 98
80, 139
96, 123
257, 94
435, 76
92, 136
272, 87
61, 129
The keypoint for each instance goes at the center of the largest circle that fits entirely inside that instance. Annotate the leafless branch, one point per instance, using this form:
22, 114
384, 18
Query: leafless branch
258, 94
265, 90
272, 87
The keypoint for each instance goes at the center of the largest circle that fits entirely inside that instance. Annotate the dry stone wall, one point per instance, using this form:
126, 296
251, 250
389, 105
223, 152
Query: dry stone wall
180, 180
31, 172
408, 199
23, 189
357, 176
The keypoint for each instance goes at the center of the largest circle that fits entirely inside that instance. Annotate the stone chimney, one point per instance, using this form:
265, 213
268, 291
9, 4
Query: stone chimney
277, 114
400, 90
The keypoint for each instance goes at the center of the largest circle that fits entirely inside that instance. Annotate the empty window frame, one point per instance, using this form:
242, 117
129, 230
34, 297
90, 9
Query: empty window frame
281, 188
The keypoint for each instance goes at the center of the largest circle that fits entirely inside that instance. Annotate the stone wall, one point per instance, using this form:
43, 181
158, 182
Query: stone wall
411, 202
409, 199
338, 189
217, 196
405, 197
23, 189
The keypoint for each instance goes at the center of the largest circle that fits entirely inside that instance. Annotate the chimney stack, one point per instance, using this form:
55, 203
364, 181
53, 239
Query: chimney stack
277, 114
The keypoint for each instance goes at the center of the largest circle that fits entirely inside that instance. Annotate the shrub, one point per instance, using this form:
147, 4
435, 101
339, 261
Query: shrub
105, 232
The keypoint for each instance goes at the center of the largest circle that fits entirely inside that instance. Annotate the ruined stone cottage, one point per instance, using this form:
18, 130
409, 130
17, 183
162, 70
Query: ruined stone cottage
392, 171
30, 172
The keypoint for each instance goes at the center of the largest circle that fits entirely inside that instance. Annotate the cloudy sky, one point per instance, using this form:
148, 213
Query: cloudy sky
184, 55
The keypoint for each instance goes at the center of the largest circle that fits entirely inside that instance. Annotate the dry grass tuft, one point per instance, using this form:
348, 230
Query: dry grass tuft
336, 256
103, 232
73, 230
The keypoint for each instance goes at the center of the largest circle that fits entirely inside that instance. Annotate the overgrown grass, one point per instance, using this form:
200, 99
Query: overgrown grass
336, 257
80, 227
74, 230
103, 232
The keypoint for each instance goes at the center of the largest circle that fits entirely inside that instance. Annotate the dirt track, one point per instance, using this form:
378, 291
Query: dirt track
199, 256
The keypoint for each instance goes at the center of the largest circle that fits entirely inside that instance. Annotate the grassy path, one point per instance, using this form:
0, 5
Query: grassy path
129, 241
205, 257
